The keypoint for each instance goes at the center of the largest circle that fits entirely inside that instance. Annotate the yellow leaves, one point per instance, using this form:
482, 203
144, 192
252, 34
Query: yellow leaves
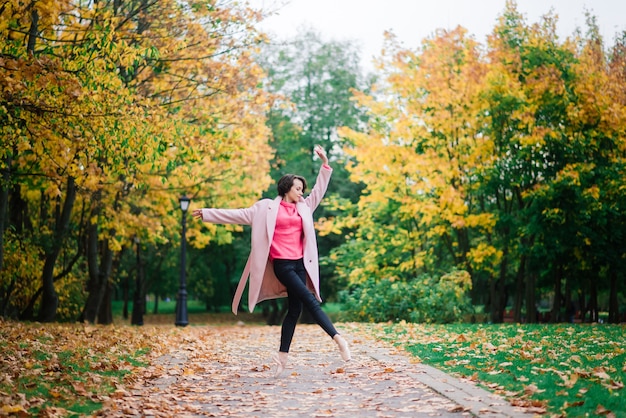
17, 410
593, 192
484, 257
327, 226
53, 191
99, 110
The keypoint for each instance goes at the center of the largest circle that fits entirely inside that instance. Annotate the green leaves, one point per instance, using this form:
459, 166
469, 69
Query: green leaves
427, 299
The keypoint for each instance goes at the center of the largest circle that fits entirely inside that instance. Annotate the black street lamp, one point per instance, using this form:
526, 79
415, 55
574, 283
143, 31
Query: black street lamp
137, 315
181, 303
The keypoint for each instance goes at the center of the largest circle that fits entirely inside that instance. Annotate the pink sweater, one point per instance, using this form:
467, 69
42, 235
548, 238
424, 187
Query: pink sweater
287, 241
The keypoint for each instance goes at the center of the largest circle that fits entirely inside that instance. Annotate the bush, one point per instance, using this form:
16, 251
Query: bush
426, 299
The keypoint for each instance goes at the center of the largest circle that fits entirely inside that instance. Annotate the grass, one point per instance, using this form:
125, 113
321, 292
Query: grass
568, 369
164, 308
198, 314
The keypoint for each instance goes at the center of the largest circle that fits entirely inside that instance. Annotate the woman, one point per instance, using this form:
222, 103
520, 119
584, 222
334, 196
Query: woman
283, 258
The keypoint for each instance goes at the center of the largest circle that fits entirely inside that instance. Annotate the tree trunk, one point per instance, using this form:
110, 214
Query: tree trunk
497, 314
95, 287
613, 300
139, 299
4, 205
105, 311
581, 305
105, 314
32, 33
99, 273
531, 303
555, 316
519, 291
570, 311
49, 297
592, 305
498, 292
125, 294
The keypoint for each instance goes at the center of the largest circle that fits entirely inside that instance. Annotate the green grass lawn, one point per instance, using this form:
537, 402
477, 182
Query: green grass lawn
570, 369
198, 314
164, 307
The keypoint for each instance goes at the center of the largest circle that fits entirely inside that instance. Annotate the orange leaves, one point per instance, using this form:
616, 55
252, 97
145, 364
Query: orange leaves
423, 144
46, 366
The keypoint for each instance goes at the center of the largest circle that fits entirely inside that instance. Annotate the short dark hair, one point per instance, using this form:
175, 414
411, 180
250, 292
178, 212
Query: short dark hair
286, 182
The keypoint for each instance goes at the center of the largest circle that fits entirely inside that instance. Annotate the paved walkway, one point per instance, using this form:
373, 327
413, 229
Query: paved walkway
228, 371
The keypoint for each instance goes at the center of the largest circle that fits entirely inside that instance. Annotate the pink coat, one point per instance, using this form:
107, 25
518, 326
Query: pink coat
262, 217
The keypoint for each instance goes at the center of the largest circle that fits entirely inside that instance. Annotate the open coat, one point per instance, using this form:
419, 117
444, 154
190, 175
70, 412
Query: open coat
262, 218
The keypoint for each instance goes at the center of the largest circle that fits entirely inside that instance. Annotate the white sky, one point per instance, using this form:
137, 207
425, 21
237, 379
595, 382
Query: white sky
365, 21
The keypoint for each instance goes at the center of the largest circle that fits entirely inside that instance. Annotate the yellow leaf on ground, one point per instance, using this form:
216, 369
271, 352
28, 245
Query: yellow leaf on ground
12, 409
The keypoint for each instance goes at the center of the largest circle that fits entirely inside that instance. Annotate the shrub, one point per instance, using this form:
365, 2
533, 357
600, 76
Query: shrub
426, 299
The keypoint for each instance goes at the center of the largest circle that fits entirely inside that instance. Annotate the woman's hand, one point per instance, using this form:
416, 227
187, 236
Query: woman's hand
321, 153
197, 213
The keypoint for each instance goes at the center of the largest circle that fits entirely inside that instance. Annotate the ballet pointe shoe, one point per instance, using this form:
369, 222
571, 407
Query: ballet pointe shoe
343, 347
280, 359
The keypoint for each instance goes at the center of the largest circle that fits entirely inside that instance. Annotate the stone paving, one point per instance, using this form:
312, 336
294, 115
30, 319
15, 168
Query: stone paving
229, 372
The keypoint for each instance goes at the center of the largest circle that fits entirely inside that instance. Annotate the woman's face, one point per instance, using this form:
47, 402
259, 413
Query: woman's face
293, 195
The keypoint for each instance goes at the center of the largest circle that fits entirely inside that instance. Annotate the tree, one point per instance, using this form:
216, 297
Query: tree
493, 164
136, 103
419, 159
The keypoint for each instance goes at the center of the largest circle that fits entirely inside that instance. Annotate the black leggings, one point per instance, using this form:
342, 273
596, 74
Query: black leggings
292, 274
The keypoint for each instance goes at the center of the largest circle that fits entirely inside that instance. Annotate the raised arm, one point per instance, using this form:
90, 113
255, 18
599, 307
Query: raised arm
321, 183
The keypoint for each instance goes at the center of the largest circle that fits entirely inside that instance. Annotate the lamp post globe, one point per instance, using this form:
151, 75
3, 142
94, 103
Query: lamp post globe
181, 302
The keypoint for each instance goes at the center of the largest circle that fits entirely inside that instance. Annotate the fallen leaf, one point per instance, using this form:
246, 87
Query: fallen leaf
13, 409
601, 373
570, 381
613, 385
600, 410
532, 389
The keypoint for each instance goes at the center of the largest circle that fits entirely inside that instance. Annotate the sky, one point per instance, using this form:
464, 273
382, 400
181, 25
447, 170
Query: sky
364, 21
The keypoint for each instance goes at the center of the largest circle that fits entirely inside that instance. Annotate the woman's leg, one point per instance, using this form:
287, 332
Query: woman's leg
294, 310
292, 274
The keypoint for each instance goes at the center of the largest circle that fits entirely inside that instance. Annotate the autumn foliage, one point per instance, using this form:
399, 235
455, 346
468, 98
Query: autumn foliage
504, 160
498, 164
109, 112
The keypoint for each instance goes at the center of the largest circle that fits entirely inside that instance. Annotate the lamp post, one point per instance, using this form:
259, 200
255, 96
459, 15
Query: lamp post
137, 315
181, 303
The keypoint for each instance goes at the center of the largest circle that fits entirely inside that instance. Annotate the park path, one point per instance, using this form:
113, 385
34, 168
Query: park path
228, 372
